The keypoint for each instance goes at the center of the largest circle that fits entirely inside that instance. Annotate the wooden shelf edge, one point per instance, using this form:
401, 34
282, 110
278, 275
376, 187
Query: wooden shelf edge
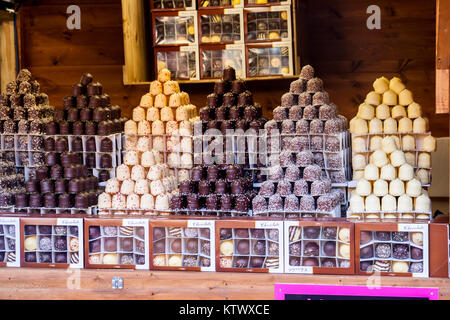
58, 284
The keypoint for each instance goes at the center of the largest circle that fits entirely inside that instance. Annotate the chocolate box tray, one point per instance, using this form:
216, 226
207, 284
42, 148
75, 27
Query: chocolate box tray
172, 5
52, 242
329, 237
172, 28
182, 61
182, 244
268, 24
116, 243
221, 26
391, 244
259, 3
249, 245
214, 58
212, 4
274, 59
10, 237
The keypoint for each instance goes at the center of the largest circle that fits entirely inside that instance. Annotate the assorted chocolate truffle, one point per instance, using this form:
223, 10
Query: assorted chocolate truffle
116, 245
396, 252
181, 247
249, 248
319, 246
52, 244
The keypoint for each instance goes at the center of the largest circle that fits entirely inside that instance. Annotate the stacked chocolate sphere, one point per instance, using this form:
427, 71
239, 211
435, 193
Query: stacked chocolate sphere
24, 110
215, 189
87, 111
63, 183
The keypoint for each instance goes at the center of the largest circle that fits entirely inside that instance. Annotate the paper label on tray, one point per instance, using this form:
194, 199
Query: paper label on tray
8, 220
232, 11
199, 224
134, 222
233, 46
267, 224
185, 14
187, 48
279, 8
67, 221
409, 227
306, 270
280, 44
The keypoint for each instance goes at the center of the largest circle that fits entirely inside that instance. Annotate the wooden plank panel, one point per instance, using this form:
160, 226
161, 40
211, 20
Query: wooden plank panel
7, 53
70, 48
27, 283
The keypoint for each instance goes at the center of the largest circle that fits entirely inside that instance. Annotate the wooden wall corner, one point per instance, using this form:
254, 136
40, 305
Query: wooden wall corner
7, 53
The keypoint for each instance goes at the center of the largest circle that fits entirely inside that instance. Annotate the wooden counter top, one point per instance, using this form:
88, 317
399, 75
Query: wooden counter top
35, 283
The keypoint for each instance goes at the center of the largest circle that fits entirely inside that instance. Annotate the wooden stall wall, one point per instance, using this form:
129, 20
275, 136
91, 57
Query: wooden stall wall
334, 39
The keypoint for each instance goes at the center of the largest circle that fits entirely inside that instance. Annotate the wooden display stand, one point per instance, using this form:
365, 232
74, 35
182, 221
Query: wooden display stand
28, 283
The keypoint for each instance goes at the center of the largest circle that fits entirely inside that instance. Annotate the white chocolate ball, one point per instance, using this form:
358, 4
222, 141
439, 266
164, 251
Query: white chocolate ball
359, 126
413, 188
422, 203
389, 98
373, 98
382, 112
406, 172
359, 144
380, 85
419, 125
366, 111
390, 126
405, 203
410, 158
414, 110
408, 143
396, 85
405, 125
373, 203
358, 162
363, 187
371, 172
388, 203
405, 97
375, 126
396, 188
397, 158
356, 203
375, 143
423, 175
379, 158
388, 173
424, 160
358, 174
380, 188
398, 112
429, 144
388, 144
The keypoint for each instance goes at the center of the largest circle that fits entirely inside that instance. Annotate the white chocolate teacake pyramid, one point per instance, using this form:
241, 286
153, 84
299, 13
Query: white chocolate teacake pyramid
142, 184
163, 121
391, 158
